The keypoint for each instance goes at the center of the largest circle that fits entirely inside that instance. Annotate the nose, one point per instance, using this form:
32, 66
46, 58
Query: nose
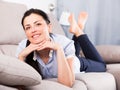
34, 29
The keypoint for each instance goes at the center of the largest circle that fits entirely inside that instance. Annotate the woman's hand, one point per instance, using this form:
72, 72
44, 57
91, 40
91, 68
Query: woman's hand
26, 51
40, 46
48, 44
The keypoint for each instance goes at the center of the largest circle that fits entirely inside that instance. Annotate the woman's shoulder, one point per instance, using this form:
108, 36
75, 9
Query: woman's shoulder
23, 42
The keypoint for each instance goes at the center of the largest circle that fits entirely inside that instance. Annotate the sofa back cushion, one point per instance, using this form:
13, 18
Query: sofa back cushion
110, 53
9, 50
56, 27
11, 31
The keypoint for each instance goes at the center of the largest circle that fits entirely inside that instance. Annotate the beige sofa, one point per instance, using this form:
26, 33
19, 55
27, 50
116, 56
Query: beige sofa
17, 75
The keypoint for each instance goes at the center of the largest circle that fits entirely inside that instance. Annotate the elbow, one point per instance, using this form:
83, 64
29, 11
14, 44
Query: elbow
67, 83
70, 84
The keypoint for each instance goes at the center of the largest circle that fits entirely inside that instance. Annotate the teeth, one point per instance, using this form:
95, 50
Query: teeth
35, 36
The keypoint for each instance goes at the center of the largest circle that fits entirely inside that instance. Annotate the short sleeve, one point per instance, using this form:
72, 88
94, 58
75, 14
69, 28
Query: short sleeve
20, 47
76, 64
70, 52
69, 49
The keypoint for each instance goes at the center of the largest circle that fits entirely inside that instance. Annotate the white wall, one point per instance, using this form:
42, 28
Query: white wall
40, 4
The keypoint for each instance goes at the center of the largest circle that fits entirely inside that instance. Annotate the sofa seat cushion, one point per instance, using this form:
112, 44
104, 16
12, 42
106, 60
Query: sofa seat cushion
53, 85
3, 87
97, 81
15, 72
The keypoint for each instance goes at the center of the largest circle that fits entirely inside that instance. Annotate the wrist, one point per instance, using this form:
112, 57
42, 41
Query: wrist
57, 47
22, 58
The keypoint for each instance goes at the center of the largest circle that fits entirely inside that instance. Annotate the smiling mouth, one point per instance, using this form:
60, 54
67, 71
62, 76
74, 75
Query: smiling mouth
35, 36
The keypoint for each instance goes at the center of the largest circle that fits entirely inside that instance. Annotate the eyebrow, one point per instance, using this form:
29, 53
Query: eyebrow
36, 21
33, 23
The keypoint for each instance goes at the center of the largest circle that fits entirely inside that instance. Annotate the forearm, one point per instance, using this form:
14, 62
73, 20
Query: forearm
70, 62
65, 74
24, 53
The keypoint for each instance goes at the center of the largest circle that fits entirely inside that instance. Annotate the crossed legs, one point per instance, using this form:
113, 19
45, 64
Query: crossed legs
92, 62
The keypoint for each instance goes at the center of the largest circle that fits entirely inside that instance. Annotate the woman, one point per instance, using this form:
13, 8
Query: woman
53, 55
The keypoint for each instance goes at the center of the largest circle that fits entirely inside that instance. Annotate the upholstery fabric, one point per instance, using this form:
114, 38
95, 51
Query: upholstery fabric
48, 85
97, 81
16, 72
12, 29
116, 74
9, 50
7, 88
110, 53
56, 28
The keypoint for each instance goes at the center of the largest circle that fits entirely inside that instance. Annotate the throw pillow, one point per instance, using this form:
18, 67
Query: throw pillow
16, 72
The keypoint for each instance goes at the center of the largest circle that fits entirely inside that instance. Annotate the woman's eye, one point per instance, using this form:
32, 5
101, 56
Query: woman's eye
38, 24
27, 28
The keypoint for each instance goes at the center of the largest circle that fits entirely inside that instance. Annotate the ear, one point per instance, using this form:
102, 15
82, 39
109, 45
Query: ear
50, 28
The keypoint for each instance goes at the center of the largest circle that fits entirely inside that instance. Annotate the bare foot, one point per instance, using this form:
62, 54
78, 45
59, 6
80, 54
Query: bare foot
82, 18
74, 28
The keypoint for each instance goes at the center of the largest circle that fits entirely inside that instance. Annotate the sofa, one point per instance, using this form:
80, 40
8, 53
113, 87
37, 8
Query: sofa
17, 75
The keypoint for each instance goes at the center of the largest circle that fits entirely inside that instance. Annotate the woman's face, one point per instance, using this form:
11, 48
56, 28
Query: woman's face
36, 28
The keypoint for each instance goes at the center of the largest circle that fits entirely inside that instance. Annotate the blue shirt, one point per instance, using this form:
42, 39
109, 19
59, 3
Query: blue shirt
50, 70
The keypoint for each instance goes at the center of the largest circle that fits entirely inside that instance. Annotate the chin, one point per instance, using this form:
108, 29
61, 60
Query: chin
35, 41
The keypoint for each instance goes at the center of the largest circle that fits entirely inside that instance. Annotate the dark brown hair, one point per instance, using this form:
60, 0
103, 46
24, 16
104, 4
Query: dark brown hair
35, 11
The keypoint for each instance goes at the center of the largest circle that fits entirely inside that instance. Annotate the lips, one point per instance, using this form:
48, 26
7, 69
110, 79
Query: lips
35, 36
